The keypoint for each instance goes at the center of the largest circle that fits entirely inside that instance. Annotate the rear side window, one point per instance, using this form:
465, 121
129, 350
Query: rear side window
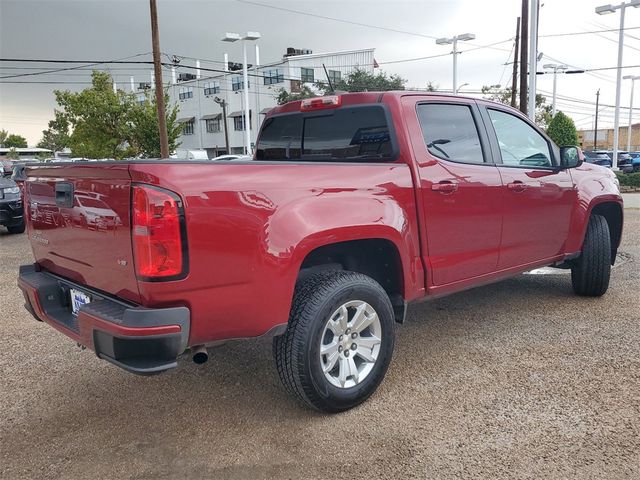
450, 132
346, 134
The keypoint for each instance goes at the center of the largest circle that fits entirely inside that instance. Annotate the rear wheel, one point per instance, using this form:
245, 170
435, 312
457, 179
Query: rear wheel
590, 273
339, 341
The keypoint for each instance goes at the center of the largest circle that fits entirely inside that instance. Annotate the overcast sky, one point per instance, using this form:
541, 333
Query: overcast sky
110, 29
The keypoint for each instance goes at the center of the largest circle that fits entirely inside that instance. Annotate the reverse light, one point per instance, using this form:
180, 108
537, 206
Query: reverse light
159, 245
320, 103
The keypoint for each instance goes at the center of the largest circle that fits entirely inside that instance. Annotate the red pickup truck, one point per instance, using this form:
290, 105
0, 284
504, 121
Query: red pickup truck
353, 206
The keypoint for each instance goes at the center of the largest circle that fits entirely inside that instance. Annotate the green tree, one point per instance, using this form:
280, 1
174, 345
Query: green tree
562, 130
145, 135
304, 92
363, 81
496, 94
13, 154
15, 141
108, 124
3, 137
56, 137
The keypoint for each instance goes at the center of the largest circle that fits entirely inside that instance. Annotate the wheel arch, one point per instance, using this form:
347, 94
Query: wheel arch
612, 212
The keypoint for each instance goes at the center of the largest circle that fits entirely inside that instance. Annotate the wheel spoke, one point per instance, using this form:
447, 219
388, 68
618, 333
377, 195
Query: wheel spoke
343, 368
332, 358
368, 342
353, 369
361, 321
343, 318
365, 354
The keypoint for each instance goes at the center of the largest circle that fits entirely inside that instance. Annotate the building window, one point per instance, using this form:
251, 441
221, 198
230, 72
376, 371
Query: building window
238, 123
335, 76
185, 92
237, 83
211, 88
306, 74
273, 76
187, 128
213, 125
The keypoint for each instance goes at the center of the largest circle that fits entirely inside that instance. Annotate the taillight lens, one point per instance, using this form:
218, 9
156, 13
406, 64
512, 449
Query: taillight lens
320, 103
158, 243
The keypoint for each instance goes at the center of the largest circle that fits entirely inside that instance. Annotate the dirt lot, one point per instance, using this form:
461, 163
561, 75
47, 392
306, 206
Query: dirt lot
516, 380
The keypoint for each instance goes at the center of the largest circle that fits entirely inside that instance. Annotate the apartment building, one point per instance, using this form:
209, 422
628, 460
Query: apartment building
200, 95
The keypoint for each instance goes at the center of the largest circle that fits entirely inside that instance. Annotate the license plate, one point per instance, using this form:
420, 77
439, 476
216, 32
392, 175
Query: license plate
78, 299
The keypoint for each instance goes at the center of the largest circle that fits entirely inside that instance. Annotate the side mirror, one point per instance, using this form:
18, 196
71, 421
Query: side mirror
571, 157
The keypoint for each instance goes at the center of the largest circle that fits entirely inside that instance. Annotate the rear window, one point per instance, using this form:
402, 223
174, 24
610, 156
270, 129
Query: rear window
359, 133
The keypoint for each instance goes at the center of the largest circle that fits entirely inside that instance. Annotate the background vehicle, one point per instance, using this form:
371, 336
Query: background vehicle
11, 209
598, 158
229, 158
354, 206
635, 161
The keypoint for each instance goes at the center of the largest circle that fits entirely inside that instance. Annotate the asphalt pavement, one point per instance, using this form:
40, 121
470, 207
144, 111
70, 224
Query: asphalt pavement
520, 379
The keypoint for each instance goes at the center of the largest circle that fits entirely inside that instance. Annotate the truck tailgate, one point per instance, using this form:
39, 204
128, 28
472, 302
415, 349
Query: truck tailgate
78, 218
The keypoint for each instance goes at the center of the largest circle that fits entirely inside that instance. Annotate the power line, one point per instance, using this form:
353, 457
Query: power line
569, 34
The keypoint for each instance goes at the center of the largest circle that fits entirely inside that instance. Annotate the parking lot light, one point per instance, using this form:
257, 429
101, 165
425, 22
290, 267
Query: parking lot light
454, 41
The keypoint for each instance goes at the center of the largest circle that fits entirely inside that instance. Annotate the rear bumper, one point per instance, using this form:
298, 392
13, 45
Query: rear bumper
140, 340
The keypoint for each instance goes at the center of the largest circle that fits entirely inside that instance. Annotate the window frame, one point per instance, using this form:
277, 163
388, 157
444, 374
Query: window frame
193, 128
302, 75
332, 75
238, 86
487, 154
211, 88
554, 151
185, 93
270, 78
213, 121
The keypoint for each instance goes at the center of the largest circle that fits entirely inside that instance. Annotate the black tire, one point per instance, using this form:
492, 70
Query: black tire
591, 271
17, 228
297, 352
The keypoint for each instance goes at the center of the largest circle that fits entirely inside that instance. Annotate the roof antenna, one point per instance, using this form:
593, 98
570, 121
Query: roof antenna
328, 79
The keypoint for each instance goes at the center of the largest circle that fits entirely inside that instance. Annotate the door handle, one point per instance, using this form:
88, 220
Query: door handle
64, 194
444, 186
517, 186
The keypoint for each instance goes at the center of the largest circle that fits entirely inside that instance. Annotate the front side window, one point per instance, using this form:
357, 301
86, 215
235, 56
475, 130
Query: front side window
306, 74
187, 128
520, 144
450, 132
345, 134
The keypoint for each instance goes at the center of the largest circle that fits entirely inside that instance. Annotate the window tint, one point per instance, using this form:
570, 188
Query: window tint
520, 144
345, 134
450, 132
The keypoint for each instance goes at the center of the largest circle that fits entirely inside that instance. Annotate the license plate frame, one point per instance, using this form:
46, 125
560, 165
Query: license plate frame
78, 298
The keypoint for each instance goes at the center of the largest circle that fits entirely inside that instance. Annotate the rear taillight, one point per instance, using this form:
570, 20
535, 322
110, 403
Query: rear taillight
159, 242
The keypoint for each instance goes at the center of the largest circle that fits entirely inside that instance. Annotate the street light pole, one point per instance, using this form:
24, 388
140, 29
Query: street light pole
454, 41
234, 37
555, 67
533, 58
603, 10
633, 79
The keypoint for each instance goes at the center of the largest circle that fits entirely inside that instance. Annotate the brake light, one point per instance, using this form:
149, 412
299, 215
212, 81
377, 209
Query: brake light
157, 225
320, 103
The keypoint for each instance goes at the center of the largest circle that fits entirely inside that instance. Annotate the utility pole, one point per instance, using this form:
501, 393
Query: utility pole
595, 131
157, 67
223, 104
633, 79
514, 79
524, 38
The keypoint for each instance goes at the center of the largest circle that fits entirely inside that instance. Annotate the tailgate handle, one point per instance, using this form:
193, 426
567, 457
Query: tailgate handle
64, 194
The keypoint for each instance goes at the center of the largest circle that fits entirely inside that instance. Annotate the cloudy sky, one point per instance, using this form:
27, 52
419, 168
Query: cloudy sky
399, 30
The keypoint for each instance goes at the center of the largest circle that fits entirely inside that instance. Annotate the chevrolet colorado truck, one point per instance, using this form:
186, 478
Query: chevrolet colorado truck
353, 206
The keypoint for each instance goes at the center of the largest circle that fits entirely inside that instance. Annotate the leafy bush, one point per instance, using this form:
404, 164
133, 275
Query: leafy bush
629, 179
562, 130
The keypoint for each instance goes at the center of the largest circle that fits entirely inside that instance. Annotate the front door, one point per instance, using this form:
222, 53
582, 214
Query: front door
538, 196
459, 186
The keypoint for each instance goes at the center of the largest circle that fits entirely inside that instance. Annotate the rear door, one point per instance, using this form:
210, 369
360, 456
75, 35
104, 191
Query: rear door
78, 216
459, 185
538, 197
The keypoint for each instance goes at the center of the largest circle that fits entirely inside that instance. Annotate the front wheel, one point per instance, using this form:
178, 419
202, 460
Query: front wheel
17, 228
339, 341
590, 273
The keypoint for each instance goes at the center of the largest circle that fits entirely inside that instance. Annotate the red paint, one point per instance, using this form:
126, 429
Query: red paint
250, 226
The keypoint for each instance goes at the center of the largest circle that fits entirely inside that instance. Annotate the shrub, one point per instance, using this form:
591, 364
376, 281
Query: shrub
629, 179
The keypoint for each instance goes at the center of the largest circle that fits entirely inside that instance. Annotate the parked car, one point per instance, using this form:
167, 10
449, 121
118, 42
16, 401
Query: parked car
354, 206
231, 158
635, 161
11, 209
598, 158
624, 161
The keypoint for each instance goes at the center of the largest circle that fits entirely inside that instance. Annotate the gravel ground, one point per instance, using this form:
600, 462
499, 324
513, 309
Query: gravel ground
516, 380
